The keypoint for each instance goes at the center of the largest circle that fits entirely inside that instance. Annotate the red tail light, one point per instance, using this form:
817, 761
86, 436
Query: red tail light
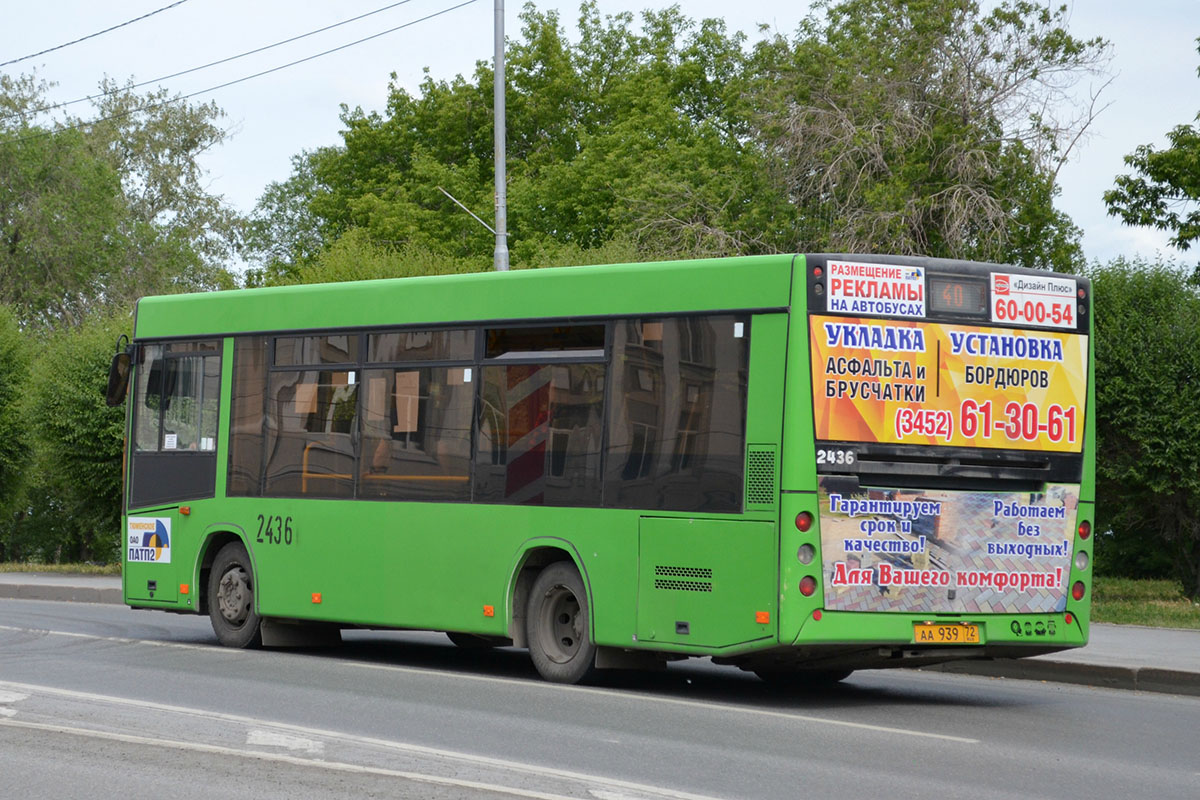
1085, 529
1078, 590
808, 585
804, 521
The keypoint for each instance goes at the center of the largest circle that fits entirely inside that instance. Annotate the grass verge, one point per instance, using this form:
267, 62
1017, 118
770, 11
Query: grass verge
62, 569
1157, 604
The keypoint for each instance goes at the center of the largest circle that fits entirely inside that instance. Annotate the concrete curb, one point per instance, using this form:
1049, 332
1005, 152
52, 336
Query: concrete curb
1143, 679
73, 594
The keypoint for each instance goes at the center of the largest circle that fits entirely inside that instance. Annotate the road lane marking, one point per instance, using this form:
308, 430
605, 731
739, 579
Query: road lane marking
121, 639
334, 766
545, 686
403, 747
10, 697
674, 701
260, 738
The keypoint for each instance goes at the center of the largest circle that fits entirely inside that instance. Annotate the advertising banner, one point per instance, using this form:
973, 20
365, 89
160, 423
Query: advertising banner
945, 551
148, 540
931, 383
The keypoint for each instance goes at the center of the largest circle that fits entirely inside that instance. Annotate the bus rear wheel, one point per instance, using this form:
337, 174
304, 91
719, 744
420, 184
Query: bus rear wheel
231, 598
557, 625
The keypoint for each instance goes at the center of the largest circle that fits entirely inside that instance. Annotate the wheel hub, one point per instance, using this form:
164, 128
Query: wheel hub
233, 595
563, 625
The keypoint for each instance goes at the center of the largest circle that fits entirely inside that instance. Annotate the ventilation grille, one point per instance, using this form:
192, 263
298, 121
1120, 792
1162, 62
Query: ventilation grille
671, 578
760, 476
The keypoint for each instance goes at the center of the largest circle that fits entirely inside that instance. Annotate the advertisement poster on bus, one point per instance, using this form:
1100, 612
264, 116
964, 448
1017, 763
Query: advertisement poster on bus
931, 383
149, 540
945, 551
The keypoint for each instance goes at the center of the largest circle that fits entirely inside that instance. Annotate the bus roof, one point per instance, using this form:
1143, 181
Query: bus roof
743, 283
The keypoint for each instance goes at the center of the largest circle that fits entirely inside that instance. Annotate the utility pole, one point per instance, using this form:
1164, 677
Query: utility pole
500, 259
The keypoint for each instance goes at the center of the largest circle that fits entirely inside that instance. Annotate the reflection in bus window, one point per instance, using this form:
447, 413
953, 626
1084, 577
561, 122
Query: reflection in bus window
540, 434
678, 417
310, 450
416, 434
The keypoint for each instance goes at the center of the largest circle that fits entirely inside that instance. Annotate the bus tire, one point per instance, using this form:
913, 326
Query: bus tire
231, 598
557, 625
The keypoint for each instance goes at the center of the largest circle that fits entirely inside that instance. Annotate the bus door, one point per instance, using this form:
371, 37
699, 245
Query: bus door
173, 459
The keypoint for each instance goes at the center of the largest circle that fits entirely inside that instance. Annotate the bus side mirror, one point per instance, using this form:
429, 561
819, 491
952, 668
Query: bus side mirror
118, 379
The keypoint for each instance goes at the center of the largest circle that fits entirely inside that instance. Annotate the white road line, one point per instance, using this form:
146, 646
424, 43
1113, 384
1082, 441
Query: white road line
261, 738
334, 766
122, 640
759, 712
412, 749
10, 697
557, 687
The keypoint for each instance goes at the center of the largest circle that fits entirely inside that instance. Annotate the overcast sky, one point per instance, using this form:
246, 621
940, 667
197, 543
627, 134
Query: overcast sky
276, 116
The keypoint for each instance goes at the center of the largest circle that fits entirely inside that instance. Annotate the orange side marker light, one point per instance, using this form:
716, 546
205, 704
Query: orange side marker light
762, 617
489, 611
316, 597
185, 510
184, 588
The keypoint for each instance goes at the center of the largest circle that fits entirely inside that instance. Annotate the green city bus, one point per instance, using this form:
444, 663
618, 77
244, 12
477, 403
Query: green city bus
800, 465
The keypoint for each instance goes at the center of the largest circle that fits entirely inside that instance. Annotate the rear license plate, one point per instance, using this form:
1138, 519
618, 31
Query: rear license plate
945, 634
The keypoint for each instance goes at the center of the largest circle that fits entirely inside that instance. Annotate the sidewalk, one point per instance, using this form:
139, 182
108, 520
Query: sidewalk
1116, 657
55, 586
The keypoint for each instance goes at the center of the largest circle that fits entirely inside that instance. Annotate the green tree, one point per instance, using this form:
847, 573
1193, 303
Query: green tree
1164, 192
909, 126
1148, 420
631, 134
924, 126
74, 502
101, 212
14, 382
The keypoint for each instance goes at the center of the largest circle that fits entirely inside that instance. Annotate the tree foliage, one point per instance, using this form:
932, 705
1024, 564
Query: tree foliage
924, 127
886, 125
1164, 192
76, 500
626, 134
97, 213
14, 435
1148, 419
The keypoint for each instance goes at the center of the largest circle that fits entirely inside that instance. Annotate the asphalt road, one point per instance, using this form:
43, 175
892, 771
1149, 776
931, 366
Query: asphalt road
146, 704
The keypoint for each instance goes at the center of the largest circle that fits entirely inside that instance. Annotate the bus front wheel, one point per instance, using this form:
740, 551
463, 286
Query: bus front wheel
231, 598
557, 625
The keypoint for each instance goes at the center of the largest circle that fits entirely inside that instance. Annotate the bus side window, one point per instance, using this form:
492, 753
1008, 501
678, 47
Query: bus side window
177, 396
148, 398
247, 420
677, 423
